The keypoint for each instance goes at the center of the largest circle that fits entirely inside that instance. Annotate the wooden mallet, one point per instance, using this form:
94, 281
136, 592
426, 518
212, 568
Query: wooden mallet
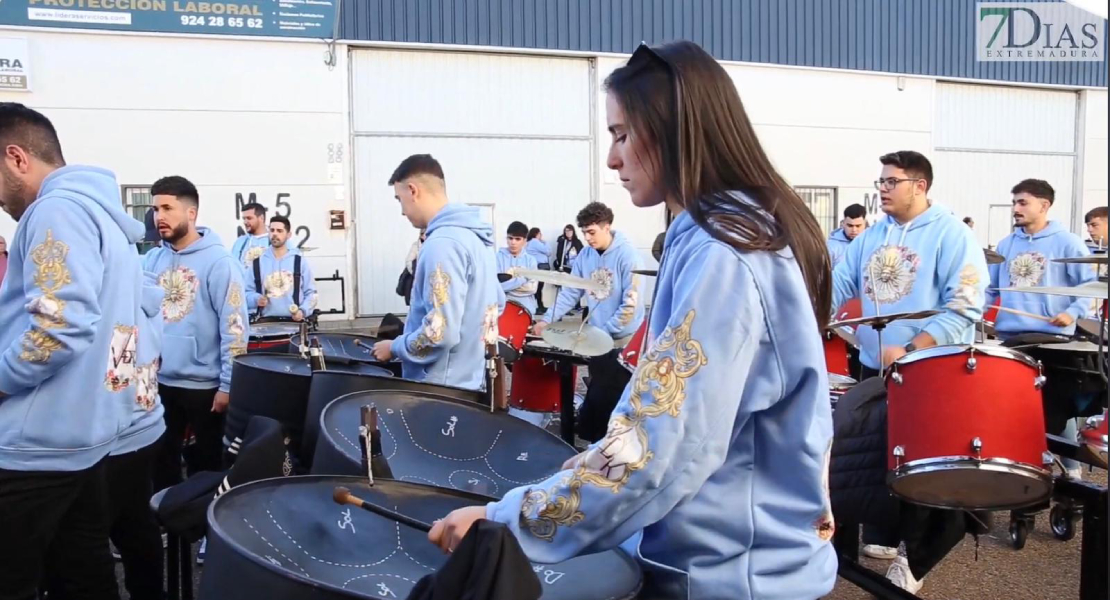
343, 495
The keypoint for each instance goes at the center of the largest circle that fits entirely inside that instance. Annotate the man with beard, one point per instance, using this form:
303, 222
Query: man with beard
1031, 252
71, 310
251, 244
855, 221
919, 257
280, 283
205, 324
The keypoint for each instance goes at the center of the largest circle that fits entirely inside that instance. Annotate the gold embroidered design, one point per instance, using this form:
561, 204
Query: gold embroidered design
121, 358
604, 278
48, 310
631, 299
825, 525
968, 294
490, 331
664, 368
278, 284
146, 386
436, 323
235, 325
181, 285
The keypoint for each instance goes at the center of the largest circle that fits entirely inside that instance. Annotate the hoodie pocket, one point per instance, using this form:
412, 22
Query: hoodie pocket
180, 359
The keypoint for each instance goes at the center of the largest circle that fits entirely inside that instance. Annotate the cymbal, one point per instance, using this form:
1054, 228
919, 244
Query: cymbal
590, 341
1077, 346
1094, 259
559, 278
1092, 289
993, 258
884, 320
1089, 328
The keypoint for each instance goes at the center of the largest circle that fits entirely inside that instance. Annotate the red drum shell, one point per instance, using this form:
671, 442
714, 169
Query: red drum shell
836, 354
941, 399
536, 385
629, 357
513, 324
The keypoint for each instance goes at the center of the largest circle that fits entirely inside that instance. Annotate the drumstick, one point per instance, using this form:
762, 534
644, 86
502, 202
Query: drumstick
1024, 314
343, 495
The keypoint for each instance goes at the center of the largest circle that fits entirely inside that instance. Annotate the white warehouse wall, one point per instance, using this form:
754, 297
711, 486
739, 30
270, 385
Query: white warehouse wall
1095, 151
235, 117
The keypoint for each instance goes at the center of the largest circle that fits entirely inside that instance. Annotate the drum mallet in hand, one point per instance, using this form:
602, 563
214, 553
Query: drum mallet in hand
343, 495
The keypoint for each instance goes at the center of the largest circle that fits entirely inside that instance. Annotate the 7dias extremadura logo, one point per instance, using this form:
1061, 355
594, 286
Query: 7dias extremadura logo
1037, 31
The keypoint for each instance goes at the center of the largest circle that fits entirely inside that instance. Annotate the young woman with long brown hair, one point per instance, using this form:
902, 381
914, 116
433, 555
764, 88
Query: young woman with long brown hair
713, 470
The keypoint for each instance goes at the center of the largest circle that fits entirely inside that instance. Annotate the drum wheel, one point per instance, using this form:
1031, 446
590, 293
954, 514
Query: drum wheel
1019, 531
1063, 519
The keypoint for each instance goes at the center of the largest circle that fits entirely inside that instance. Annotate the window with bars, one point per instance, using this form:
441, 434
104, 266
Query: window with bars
136, 201
822, 202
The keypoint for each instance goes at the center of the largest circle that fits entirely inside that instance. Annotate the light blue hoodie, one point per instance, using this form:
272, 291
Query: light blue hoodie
456, 301
617, 308
537, 249
147, 425
249, 247
204, 312
932, 262
838, 243
70, 305
277, 278
729, 407
1029, 263
518, 289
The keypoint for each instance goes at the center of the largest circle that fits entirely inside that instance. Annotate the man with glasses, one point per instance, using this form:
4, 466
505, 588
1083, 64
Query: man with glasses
919, 257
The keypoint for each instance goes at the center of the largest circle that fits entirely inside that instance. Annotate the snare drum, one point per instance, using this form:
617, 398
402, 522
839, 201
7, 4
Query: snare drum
286, 539
536, 385
629, 357
512, 327
966, 429
838, 386
272, 337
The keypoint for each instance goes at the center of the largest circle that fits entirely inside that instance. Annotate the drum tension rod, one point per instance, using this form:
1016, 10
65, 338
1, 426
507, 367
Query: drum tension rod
977, 448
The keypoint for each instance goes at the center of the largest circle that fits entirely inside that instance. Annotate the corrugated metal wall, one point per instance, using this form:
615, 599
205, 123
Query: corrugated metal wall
926, 37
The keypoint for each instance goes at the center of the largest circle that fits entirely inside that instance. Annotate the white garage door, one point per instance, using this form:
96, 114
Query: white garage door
990, 137
513, 134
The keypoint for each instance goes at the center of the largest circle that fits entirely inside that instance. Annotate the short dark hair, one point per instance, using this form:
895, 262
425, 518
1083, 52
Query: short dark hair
417, 164
913, 163
282, 220
30, 130
855, 211
259, 210
517, 229
595, 213
177, 186
1098, 212
533, 232
967, 219
1035, 187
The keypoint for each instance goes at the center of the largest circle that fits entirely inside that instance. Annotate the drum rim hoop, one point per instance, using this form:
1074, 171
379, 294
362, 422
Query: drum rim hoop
995, 351
339, 334
484, 408
841, 380
352, 481
245, 359
948, 463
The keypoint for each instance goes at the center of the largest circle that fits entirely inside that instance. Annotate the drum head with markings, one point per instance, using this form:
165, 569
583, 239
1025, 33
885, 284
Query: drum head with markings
285, 539
439, 441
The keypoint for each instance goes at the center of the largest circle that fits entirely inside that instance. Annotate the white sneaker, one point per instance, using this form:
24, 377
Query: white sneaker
899, 574
880, 552
1075, 473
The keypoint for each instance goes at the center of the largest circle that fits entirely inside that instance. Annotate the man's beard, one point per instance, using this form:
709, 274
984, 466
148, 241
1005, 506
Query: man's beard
176, 234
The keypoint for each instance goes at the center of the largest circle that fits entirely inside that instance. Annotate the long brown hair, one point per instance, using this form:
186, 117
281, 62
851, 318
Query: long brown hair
682, 102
